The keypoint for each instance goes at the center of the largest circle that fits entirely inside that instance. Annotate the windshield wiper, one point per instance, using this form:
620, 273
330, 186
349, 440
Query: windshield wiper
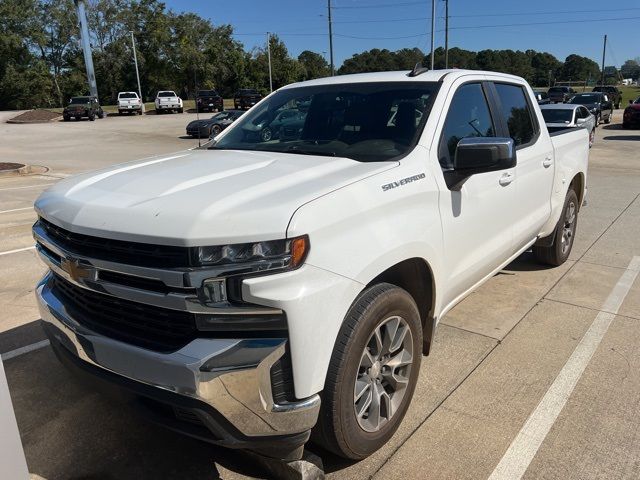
302, 151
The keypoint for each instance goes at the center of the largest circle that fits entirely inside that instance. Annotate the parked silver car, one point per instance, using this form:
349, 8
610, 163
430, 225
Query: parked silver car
560, 116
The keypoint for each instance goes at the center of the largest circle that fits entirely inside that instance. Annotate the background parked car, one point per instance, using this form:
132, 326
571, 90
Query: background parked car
560, 94
597, 103
210, 127
129, 102
541, 97
631, 114
567, 115
83, 107
612, 92
208, 101
168, 101
246, 98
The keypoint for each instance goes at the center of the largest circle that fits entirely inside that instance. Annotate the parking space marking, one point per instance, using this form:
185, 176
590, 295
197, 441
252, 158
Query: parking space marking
25, 186
8, 252
16, 210
22, 350
525, 445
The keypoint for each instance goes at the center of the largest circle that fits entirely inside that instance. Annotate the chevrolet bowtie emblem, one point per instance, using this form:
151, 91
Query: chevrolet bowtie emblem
73, 268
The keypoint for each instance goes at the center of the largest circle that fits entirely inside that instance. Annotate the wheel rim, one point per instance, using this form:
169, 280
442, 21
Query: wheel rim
215, 130
266, 134
383, 374
592, 137
569, 227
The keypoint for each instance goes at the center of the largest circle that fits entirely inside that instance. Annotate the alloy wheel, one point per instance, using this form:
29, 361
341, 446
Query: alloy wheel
569, 227
383, 374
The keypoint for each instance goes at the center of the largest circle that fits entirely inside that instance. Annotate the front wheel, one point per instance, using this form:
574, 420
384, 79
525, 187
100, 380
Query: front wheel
592, 137
608, 120
373, 373
215, 130
563, 236
266, 134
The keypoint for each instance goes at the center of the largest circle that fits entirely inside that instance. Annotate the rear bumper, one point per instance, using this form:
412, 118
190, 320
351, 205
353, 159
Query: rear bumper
226, 382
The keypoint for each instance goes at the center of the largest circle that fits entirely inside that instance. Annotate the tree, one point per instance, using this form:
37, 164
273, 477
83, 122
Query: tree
577, 68
631, 69
312, 65
545, 66
377, 60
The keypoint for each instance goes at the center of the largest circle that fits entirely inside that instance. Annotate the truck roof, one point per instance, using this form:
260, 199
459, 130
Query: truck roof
400, 76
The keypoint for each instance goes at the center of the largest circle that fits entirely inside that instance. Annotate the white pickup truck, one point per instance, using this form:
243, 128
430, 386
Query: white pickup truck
251, 291
168, 101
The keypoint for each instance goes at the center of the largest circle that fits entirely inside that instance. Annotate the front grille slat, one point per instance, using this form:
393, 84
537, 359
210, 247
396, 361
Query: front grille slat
146, 326
132, 253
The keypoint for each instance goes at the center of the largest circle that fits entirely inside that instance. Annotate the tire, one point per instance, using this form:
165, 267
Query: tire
563, 235
592, 137
626, 126
92, 117
597, 119
120, 112
608, 120
266, 134
180, 110
340, 429
65, 118
215, 130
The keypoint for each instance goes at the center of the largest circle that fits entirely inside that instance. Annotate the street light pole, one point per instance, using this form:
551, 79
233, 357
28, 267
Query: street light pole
333, 71
135, 60
446, 34
86, 47
269, 56
604, 51
433, 31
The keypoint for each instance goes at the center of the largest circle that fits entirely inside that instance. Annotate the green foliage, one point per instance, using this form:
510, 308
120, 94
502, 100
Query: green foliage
312, 65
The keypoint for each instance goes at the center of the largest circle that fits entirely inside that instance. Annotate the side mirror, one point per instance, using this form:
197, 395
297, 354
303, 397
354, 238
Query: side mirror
580, 121
476, 155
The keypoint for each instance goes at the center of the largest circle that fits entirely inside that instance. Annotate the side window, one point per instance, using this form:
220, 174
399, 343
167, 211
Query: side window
517, 113
468, 116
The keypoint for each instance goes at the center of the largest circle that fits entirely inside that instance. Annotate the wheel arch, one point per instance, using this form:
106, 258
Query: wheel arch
578, 185
415, 275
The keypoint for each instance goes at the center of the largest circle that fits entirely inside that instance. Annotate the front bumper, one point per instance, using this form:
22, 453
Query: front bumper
228, 376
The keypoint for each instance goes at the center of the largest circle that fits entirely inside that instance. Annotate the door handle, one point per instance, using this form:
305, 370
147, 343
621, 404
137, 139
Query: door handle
547, 162
506, 179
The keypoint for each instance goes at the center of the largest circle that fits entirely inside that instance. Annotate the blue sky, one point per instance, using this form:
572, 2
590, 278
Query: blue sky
361, 25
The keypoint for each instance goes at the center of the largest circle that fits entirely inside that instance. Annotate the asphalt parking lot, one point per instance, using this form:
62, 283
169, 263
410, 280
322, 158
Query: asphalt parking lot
493, 396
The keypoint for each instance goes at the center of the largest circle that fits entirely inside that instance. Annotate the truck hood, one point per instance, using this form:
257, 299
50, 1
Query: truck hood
199, 197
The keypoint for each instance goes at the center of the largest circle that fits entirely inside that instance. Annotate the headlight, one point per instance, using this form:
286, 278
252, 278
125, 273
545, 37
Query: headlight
288, 253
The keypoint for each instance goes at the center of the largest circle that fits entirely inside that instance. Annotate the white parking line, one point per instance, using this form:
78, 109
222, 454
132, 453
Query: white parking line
22, 350
16, 210
524, 447
25, 186
8, 252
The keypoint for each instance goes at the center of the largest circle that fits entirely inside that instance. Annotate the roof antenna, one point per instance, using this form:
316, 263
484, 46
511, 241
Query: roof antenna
417, 70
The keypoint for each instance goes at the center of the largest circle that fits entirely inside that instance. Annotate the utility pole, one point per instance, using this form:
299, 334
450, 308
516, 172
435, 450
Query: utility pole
333, 71
269, 56
135, 60
604, 50
86, 47
433, 31
446, 34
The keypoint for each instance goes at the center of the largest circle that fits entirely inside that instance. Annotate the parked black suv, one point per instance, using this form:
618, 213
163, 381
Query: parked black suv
83, 107
246, 98
560, 94
208, 101
614, 94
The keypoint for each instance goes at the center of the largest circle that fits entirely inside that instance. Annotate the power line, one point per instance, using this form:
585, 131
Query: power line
381, 5
555, 12
561, 22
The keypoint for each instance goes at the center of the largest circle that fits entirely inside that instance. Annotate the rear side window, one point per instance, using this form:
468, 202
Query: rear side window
468, 116
517, 113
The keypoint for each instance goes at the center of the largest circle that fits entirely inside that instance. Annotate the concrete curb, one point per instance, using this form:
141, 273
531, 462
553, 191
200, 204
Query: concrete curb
21, 122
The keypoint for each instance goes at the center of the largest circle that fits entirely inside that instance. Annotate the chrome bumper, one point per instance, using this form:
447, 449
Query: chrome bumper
230, 375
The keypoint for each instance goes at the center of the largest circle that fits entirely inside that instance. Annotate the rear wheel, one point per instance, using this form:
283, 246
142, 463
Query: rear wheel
608, 120
266, 134
215, 130
180, 110
372, 374
558, 252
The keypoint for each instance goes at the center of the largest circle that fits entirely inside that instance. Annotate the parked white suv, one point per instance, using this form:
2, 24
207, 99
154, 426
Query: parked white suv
129, 102
168, 101
254, 289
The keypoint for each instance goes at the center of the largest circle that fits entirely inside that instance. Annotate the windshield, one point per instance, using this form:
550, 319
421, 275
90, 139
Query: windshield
588, 98
128, 95
558, 89
167, 94
207, 93
248, 92
79, 100
557, 115
367, 122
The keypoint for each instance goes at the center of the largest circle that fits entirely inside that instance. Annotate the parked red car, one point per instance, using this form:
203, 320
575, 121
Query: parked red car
631, 114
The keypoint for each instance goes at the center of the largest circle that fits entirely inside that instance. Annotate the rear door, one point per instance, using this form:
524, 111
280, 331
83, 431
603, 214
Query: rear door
535, 169
477, 219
